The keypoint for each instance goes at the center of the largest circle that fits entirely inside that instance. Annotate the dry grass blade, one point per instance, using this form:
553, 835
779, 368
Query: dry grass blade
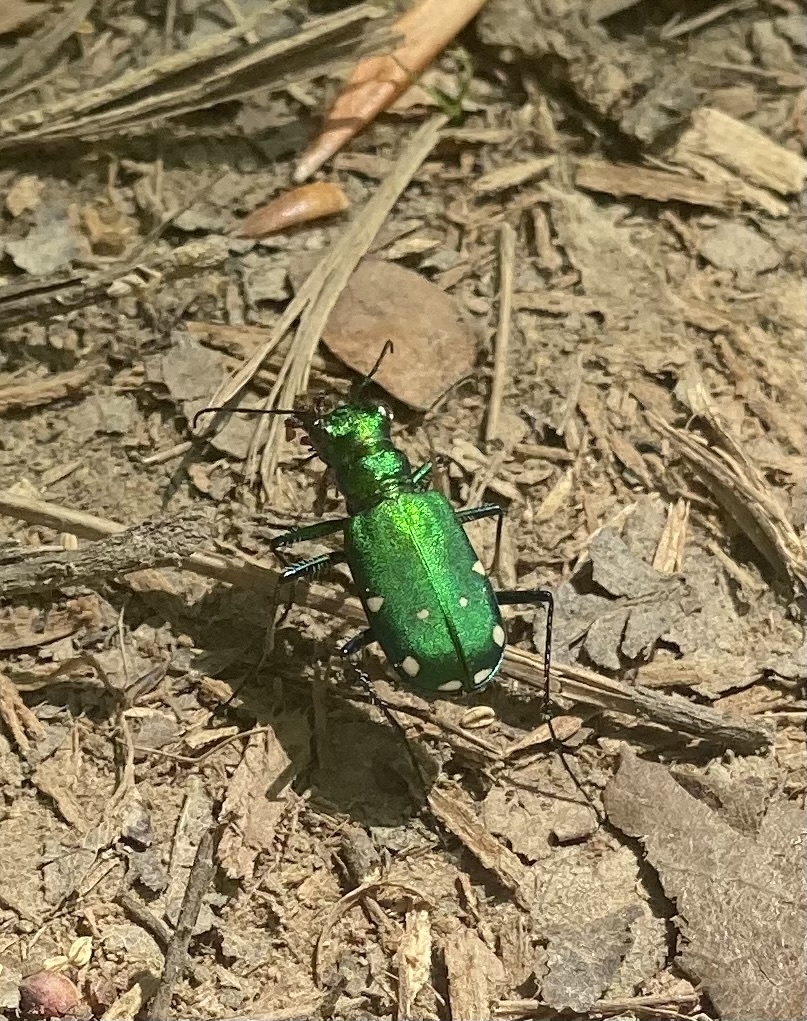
740, 488
214, 71
316, 298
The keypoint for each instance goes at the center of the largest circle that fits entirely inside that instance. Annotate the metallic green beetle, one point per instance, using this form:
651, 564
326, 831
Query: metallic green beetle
428, 600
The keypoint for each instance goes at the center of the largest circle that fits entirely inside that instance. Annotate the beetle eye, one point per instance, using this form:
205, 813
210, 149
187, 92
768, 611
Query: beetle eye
384, 411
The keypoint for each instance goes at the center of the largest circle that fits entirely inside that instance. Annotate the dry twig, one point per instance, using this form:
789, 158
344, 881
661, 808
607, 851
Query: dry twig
176, 956
576, 683
152, 544
507, 262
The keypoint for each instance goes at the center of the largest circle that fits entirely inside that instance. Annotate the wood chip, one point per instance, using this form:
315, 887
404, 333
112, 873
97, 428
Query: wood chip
744, 149
557, 498
413, 959
472, 968
669, 555
493, 855
17, 717
512, 175
621, 180
51, 388
738, 485
713, 173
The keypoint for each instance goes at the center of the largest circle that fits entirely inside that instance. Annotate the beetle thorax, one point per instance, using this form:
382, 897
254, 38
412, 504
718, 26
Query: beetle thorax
355, 443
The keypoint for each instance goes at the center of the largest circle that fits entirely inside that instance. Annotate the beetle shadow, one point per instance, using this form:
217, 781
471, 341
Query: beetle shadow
350, 760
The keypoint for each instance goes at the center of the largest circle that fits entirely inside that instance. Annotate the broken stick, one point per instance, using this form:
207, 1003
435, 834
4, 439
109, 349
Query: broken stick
176, 956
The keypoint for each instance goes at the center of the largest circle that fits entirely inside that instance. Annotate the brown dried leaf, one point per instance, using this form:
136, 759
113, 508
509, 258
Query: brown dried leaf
600, 929
532, 821
741, 900
51, 245
583, 957
434, 345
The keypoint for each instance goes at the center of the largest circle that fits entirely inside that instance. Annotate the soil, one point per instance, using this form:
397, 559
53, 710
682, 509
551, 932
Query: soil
608, 237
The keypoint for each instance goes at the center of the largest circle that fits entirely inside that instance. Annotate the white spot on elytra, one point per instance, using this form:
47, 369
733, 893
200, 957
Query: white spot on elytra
422, 614
478, 568
374, 603
463, 602
481, 675
450, 686
499, 635
410, 666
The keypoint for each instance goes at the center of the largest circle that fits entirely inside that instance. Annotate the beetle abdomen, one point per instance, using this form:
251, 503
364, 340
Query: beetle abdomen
426, 594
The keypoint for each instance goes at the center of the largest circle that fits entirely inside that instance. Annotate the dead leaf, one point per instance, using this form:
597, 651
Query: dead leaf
108, 230
51, 245
617, 570
532, 820
627, 942
583, 958
741, 900
434, 345
256, 799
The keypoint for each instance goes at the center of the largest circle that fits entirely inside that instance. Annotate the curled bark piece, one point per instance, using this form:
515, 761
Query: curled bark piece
378, 81
292, 208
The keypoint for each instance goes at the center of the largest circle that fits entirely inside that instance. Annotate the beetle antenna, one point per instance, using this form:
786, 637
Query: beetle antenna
387, 349
547, 714
241, 411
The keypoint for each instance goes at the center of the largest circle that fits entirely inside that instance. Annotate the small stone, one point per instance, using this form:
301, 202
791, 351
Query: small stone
47, 994
739, 248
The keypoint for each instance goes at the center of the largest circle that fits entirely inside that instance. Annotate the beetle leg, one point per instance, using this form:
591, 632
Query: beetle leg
544, 596
513, 597
357, 643
421, 473
312, 568
318, 530
487, 510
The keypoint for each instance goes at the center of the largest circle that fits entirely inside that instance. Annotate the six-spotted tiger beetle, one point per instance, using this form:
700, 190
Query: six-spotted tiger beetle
429, 603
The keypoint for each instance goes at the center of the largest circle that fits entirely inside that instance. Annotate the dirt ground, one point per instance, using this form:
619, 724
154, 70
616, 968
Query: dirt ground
600, 256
